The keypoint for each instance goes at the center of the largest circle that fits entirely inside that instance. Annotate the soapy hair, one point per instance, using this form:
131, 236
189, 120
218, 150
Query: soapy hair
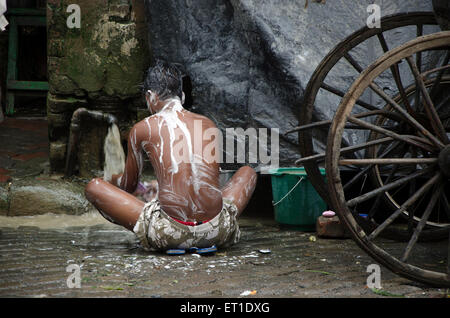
165, 79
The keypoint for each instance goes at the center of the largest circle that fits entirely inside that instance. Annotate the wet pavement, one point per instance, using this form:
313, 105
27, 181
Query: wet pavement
269, 261
24, 147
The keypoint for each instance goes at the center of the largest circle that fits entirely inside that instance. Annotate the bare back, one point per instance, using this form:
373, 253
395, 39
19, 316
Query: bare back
183, 161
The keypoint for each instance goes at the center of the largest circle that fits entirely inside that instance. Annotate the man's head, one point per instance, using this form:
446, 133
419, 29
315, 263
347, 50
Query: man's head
163, 81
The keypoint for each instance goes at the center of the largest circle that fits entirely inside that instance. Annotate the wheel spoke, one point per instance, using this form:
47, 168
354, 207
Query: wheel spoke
419, 54
404, 206
309, 126
404, 138
388, 187
360, 115
431, 111
417, 105
379, 196
398, 81
396, 74
438, 78
340, 93
353, 62
387, 161
412, 187
424, 218
364, 170
350, 149
356, 127
408, 117
383, 42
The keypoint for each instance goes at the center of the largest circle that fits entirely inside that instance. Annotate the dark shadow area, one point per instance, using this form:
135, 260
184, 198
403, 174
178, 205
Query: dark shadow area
31, 62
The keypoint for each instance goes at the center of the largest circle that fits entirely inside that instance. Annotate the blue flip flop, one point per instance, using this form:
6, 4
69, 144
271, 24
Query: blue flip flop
204, 250
175, 251
196, 250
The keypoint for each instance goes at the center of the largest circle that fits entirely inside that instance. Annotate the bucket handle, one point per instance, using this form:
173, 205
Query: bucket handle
274, 204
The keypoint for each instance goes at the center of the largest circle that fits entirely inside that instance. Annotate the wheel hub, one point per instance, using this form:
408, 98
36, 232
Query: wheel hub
444, 161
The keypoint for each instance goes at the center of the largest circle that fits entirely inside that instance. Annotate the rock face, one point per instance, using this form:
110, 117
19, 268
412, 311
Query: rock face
250, 60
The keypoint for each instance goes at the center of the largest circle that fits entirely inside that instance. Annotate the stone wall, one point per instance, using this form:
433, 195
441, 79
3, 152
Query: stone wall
3, 65
98, 66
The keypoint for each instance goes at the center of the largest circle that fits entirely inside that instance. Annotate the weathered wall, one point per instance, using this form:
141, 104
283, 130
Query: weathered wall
3, 65
250, 60
98, 66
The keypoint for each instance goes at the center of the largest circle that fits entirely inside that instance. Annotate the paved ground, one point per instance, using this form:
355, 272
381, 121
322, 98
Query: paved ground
33, 263
24, 147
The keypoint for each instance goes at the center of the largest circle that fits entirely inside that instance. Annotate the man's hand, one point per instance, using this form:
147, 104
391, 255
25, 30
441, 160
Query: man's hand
147, 190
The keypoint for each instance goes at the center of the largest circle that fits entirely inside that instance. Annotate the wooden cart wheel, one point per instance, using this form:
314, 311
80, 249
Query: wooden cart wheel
436, 227
320, 82
419, 136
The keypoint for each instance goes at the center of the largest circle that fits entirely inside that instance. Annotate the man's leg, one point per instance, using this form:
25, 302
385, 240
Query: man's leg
119, 205
240, 187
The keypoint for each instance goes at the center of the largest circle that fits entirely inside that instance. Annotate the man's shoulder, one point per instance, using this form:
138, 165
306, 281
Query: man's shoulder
205, 120
143, 128
153, 120
146, 121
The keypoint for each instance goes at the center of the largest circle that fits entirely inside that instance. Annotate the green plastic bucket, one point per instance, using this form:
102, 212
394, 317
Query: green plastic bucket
296, 203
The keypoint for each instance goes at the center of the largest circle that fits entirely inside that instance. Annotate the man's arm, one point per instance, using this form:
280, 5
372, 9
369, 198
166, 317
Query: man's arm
128, 181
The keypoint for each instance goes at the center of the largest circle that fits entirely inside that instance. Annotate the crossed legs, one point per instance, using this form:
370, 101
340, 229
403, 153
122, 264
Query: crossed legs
123, 208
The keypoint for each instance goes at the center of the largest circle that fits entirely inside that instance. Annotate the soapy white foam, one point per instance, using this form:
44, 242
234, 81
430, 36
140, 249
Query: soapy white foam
169, 116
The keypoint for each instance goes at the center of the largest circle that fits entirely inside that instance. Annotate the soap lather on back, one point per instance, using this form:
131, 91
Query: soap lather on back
189, 187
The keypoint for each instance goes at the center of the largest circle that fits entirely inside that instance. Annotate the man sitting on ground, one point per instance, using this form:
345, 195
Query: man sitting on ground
189, 209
